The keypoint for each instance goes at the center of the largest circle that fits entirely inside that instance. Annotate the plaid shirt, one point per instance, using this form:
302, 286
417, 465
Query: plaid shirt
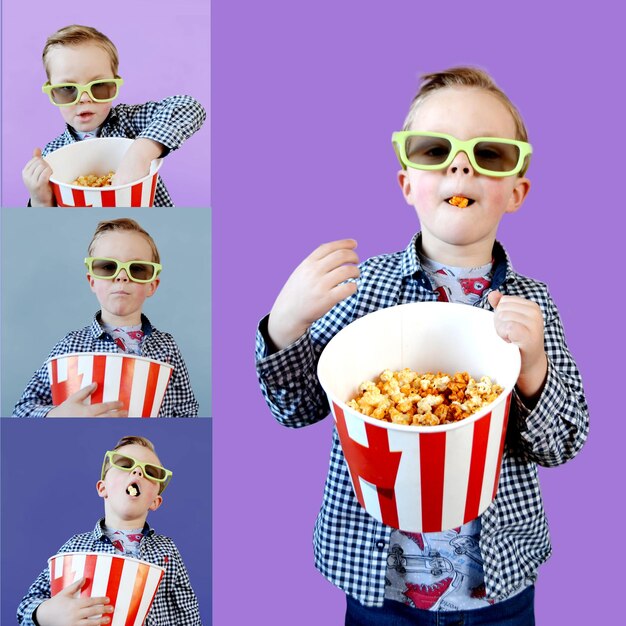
179, 401
170, 122
175, 603
351, 547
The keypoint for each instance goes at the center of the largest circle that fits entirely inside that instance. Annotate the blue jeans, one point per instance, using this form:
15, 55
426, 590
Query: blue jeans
517, 611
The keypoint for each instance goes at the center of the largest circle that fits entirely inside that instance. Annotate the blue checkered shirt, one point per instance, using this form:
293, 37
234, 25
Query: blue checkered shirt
170, 122
179, 401
351, 547
175, 603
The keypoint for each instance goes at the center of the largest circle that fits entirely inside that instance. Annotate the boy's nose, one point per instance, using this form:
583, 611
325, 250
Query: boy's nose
137, 471
84, 97
122, 276
460, 164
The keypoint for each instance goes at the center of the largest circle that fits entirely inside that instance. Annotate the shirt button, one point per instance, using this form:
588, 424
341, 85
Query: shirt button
380, 545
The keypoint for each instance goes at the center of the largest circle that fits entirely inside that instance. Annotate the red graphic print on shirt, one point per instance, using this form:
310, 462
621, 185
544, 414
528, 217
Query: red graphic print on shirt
418, 538
474, 285
426, 596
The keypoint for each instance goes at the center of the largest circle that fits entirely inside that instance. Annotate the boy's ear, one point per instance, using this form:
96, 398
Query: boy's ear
405, 185
518, 195
90, 280
156, 503
153, 286
101, 489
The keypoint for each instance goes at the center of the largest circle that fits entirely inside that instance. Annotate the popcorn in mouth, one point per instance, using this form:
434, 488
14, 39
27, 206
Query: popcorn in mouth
133, 490
460, 201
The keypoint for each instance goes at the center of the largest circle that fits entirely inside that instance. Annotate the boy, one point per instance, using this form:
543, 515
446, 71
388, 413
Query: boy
131, 484
119, 326
460, 187
81, 65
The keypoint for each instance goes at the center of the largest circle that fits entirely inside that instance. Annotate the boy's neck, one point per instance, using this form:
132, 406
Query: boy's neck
115, 522
120, 321
472, 255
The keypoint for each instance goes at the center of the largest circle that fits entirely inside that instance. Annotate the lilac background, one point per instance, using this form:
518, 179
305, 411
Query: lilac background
49, 472
317, 89
164, 50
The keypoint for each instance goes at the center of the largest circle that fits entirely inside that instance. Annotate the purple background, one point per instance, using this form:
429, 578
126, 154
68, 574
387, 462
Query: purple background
317, 89
49, 472
164, 50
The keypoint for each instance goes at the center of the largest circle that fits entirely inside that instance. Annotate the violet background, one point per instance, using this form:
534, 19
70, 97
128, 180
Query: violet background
317, 89
164, 50
49, 472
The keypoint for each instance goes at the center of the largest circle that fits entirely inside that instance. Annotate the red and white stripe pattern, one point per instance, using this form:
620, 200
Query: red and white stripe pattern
137, 382
129, 584
139, 194
421, 480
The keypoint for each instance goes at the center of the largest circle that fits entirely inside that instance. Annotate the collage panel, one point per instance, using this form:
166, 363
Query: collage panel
106, 93
334, 82
54, 304
145, 545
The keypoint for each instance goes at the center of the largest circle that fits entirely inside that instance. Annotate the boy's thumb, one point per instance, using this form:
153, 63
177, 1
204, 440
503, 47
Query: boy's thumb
74, 587
493, 298
37, 152
84, 393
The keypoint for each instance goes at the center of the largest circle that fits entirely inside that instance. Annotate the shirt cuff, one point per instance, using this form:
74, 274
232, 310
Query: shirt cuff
29, 612
538, 421
170, 138
286, 365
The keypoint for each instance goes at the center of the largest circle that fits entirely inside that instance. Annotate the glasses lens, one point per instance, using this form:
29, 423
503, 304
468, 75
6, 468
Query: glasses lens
495, 156
427, 150
142, 271
64, 94
104, 90
155, 472
104, 267
122, 461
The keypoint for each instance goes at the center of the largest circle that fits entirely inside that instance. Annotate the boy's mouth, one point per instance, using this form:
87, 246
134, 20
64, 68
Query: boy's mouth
461, 202
133, 490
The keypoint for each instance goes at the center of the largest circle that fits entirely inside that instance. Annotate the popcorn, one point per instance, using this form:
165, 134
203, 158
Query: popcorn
406, 397
459, 201
91, 180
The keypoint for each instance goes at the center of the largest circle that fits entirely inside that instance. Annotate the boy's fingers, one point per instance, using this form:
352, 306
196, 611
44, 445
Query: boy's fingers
338, 258
83, 394
331, 246
114, 408
494, 297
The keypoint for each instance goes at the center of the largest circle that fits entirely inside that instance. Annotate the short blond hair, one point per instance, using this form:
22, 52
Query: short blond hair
464, 77
123, 224
75, 35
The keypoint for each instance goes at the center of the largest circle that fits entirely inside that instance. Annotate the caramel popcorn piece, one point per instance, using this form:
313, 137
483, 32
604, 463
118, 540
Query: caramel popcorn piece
459, 201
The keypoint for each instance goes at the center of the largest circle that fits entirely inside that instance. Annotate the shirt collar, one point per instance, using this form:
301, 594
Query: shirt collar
97, 330
99, 535
502, 269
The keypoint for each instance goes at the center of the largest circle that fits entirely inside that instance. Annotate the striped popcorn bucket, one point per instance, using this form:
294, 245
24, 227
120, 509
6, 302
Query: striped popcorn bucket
421, 478
130, 584
99, 157
137, 382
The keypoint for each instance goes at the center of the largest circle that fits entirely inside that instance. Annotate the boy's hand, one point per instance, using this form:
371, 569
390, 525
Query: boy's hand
65, 610
312, 290
74, 407
36, 176
520, 321
136, 162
